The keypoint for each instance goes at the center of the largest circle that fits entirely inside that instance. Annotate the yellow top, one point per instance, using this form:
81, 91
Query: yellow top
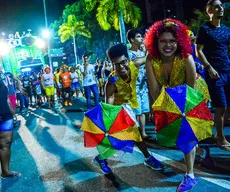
177, 76
56, 75
126, 92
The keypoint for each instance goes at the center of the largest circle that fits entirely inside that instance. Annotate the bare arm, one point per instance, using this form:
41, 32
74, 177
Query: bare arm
84, 73
139, 61
201, 56
211, 71
153, 85
190, 71
42, 82
16, 80
9, 104
109, 92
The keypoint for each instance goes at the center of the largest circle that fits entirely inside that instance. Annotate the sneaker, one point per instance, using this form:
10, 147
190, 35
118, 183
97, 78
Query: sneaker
208, 161
187, 184
66, 103
103, 165
153, 163
70, 104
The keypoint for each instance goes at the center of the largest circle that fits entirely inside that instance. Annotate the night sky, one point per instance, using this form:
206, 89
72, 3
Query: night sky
19, 15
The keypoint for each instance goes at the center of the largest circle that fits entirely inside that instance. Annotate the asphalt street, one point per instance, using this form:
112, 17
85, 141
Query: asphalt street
48, 150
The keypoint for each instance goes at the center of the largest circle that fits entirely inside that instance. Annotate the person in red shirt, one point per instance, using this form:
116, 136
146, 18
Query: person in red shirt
65, 80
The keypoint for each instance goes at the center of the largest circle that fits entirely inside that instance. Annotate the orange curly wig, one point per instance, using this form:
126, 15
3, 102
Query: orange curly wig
179, 31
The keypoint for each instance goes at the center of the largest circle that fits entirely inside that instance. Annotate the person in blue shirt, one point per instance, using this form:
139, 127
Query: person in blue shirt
6, 128
213, 49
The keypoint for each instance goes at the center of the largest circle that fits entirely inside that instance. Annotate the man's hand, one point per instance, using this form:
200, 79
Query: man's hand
213, 73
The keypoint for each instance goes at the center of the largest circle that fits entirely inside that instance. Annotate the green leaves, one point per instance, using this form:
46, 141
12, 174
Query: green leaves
90, 4
108, 12
73, 28
200, 18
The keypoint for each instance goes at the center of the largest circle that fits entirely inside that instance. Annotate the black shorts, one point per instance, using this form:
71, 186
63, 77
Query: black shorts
66, 90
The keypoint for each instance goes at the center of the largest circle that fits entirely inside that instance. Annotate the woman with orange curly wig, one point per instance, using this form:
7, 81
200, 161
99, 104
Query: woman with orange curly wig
169, 64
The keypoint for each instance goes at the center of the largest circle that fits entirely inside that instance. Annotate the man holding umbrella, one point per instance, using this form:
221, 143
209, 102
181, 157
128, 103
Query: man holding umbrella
121, 89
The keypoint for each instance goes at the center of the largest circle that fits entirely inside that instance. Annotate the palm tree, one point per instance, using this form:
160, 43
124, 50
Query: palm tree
115, 13
71, 29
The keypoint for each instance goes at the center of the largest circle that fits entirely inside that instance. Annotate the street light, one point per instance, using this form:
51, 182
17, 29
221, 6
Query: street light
4, 48
48, 39
3, 35
40, 43
46, 33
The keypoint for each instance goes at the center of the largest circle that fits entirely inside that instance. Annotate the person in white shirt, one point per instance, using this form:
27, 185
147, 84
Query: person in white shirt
48, 84
89, 82
75, 86
135, 38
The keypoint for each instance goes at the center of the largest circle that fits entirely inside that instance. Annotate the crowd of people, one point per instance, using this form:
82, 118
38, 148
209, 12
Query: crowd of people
65, 84
167, 56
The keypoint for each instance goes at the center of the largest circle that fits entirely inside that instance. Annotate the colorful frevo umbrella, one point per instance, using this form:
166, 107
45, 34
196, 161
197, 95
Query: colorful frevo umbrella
182, 118
202, 87
110, 128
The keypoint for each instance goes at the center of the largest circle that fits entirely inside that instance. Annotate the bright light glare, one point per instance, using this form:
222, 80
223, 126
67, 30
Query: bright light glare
4, 48
40, 43
26, 69
46, 33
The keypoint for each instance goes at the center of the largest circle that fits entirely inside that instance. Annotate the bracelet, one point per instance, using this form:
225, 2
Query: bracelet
207, 67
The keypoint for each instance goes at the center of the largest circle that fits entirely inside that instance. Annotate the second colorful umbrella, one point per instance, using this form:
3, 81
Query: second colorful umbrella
182, 118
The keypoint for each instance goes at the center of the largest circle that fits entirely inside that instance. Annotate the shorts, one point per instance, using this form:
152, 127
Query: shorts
100, 82
28, 91
13, 99
219, 89
49, 91
75, 86
38, 90
143, 102
66, 90
7, 125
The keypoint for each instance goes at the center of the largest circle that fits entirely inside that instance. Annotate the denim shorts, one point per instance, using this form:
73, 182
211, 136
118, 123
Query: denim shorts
75, 86
219, 89
7, 125
143, 102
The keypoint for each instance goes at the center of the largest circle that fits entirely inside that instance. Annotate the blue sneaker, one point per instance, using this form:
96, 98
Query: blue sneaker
103, 165
187, 184
153, 163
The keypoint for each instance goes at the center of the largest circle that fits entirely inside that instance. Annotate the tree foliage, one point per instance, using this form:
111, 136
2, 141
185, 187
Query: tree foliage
200, 18
100, 39
72, 28
108, 12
